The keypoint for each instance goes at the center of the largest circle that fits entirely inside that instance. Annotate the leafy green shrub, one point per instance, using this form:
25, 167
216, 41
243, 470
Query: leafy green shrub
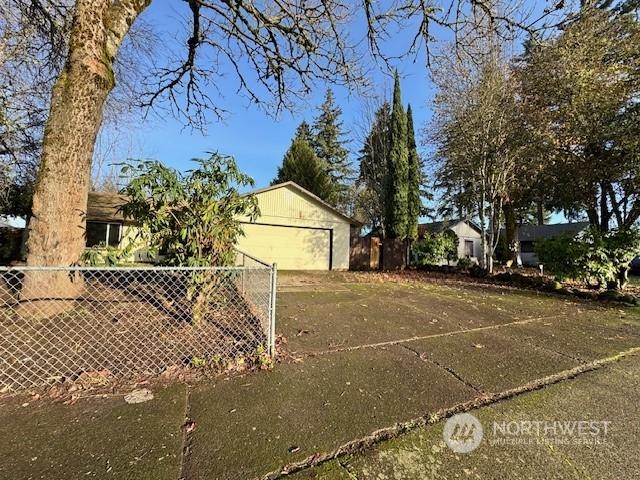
560, 256
433, 248
593, 256
193, 218
101, 255
464, 263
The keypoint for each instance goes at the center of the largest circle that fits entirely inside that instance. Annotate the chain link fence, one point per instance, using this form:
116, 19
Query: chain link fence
57, 323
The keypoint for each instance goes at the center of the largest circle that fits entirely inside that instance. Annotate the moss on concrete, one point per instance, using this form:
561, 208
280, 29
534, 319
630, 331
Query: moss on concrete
95, 438
423, 454
249, 426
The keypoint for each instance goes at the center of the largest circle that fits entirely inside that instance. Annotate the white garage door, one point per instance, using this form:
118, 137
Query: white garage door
292, 248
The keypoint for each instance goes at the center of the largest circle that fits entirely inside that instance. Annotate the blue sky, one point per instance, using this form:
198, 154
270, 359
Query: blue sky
256, 140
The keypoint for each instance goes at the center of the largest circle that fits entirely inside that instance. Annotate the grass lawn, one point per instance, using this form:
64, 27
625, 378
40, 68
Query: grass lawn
634, 280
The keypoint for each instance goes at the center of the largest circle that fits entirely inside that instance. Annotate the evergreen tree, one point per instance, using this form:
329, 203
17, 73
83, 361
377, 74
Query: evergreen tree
414, 180
304, 132
302, 166
396, 197
328, 143
373, 161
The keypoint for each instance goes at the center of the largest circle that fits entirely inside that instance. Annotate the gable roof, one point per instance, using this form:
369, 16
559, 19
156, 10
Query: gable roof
442, 225
311, 196
105, 207
530, 233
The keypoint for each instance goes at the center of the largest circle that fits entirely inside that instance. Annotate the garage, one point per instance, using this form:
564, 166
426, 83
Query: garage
294, 247
297, 230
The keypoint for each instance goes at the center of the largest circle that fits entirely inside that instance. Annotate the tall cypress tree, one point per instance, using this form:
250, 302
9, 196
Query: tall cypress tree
414, 180
328, 143
396, 198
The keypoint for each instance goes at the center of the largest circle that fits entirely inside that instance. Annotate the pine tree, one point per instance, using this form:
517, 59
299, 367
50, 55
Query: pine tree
414, 180
328, 143
302, 166
396, 198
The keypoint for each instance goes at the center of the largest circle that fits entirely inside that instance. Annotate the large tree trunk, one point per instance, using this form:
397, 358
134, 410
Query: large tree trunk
57, 228
540, 212
605, 214
511, 233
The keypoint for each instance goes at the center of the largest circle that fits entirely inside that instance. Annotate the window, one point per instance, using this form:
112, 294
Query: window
526, 247
468, 248
105, 234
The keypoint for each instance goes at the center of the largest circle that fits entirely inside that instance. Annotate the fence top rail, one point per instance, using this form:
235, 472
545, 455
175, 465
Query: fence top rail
257, 260
127, 269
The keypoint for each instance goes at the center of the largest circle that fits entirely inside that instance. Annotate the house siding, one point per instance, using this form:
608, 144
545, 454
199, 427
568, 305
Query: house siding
464, 231
294, 229
286, 206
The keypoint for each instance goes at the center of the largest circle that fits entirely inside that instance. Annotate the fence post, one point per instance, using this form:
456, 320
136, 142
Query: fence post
243, 273
272, 311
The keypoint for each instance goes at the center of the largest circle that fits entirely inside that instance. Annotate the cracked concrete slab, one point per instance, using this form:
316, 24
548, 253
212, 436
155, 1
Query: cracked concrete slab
489, 361
422, 453
95, 438
607, 395
585, 336
249, 426
315, 321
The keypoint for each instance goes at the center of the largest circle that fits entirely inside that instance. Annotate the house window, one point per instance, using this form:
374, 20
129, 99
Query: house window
102, 233
526, 247
468, 248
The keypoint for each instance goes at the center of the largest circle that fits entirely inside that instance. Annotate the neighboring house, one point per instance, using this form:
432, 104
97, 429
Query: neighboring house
469, 236
529, 234
295, 229
107, 226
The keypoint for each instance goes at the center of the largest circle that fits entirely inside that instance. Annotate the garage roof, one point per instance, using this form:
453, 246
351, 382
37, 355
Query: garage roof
105, 207
311, 196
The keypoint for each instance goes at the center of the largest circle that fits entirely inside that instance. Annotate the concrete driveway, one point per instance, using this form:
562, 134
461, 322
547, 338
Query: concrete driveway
366, 359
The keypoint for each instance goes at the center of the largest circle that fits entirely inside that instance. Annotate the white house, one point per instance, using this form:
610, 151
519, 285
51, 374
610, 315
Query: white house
469, 236
295, 229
